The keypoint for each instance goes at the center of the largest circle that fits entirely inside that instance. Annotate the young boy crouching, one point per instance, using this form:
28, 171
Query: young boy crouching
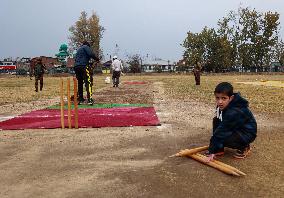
234, 125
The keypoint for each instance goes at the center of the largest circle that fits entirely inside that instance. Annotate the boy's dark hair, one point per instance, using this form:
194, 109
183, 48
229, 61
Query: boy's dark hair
225, 88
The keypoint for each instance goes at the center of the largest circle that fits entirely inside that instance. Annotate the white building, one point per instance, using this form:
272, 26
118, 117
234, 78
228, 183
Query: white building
157, 65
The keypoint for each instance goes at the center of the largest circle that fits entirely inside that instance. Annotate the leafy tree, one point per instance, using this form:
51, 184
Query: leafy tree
211, 47
227, 33
270, 35
134, 62
193, 48
89, 29
254, 35
246, 37
279, 52
207, 47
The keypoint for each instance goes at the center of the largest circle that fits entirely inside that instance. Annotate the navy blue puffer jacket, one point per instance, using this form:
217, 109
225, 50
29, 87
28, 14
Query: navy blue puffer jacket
236, 118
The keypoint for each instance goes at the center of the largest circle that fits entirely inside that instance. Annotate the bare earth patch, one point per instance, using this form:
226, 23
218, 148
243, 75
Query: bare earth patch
133, 161
266, 83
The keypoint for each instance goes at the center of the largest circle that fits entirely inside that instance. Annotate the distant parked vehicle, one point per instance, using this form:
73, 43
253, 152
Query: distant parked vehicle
7, 67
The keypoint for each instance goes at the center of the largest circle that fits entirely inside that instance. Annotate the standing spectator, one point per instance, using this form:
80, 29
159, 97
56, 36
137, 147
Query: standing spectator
196, 72
84, 72
116, 71
38, 72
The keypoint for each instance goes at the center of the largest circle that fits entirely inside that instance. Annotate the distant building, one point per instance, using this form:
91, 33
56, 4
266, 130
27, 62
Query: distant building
106, 67
273, 67
50, 62
181, 62
24, 63
276, 67
70, 62
157, 65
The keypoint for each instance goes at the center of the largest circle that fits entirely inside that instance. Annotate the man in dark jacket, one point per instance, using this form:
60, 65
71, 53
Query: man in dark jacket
84, 71
234, 125
38, 72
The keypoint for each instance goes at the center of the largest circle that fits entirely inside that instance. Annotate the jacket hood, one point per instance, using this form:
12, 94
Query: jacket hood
238, 101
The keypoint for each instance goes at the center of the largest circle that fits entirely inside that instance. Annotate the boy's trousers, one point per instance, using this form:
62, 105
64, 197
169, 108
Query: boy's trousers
235, 142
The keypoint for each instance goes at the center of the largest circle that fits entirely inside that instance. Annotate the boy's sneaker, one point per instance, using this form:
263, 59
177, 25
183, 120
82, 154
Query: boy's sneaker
241, 154
90, 101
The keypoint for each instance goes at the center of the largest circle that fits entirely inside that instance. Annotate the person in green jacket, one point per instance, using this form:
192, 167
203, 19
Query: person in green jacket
38, 73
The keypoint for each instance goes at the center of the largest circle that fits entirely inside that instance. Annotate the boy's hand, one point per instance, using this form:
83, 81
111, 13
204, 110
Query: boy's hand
210, 158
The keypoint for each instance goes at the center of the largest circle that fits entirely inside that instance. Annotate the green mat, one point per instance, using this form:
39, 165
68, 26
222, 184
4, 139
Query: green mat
84, 106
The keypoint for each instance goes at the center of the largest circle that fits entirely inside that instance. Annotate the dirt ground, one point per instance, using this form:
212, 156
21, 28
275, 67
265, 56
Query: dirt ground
133, 161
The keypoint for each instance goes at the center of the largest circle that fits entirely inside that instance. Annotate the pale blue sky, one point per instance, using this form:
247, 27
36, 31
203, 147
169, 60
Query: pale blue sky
156, 27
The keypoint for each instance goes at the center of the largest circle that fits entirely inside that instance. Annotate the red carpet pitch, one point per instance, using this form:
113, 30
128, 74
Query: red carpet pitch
88, 118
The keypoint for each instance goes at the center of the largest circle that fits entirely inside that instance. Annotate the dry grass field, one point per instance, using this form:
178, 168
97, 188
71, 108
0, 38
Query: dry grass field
21, 89
133, 161
262, 98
